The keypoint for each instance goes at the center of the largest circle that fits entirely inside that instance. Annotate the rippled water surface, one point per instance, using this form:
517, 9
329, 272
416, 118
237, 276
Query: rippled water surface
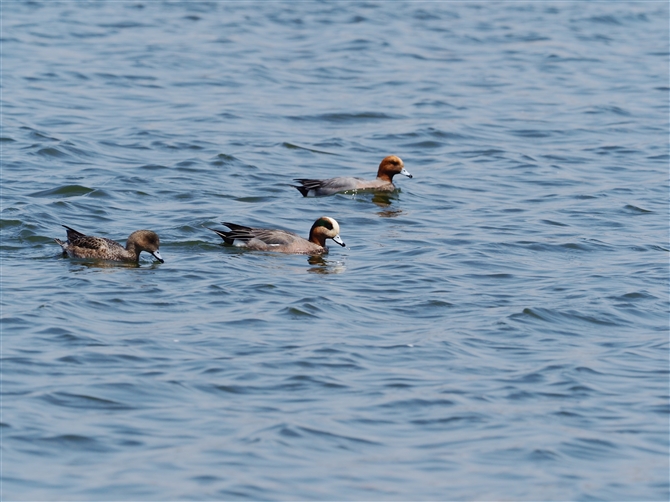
497, 328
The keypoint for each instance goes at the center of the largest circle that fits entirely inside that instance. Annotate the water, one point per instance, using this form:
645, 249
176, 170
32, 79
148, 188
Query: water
496, 329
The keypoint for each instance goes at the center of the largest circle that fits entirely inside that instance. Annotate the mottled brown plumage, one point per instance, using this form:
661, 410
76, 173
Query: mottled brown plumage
79, 245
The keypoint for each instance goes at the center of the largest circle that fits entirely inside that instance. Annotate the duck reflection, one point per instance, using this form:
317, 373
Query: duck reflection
102, 264
390, 213
383, 200
320, 265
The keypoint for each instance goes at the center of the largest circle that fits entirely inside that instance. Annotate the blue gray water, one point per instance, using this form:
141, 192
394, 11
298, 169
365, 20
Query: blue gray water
495, 329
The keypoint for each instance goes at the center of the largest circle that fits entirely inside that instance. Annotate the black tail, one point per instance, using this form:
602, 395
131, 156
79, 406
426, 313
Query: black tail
303, 190
224, 235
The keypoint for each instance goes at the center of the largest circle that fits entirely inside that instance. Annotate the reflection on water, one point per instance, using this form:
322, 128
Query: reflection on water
87, 263
390, 213
83, 263
320, 265
383, 199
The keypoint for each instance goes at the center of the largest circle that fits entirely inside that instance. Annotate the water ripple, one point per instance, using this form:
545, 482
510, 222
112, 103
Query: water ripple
495, 328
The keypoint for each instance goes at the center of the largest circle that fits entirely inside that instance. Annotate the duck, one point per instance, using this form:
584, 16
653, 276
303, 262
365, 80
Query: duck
79, 245
282, 241
388, 168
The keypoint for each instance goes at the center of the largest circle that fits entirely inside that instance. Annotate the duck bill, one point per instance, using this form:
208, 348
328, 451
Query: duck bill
405, 172
158, 256
339, 240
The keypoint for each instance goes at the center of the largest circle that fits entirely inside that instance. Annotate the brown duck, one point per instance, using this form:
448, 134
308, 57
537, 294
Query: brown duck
79, 245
